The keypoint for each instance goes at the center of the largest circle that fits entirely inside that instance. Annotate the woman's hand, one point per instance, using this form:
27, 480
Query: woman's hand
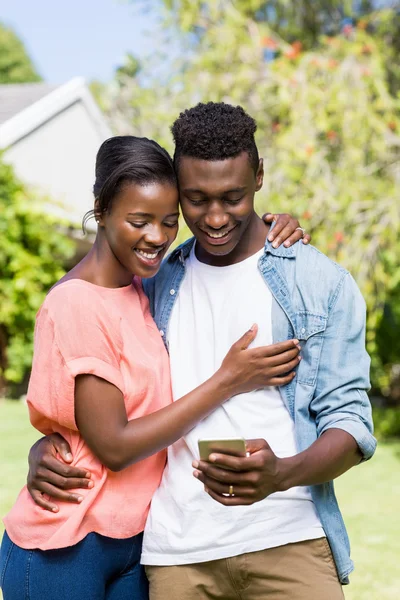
287, 230
245, 369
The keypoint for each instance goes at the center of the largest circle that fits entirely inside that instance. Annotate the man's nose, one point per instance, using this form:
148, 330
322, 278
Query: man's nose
216, 217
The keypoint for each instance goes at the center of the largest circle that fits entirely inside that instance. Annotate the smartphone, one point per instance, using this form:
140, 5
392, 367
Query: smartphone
234, 446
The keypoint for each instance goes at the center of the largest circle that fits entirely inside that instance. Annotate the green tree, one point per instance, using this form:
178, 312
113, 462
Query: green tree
15, 63
32, 254
328, 130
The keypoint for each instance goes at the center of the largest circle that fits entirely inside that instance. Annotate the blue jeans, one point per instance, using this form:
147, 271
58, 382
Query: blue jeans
97, 568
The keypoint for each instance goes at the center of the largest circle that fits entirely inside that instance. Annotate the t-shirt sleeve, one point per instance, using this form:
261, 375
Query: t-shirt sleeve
76, 333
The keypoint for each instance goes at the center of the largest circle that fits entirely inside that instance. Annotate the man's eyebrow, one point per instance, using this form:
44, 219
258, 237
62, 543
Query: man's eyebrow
231, 191
235, 190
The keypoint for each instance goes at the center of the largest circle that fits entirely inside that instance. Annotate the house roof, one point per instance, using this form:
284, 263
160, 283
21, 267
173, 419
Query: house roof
24, 107
16, 97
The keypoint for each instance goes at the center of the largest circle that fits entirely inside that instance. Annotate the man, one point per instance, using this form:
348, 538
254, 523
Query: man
269, 523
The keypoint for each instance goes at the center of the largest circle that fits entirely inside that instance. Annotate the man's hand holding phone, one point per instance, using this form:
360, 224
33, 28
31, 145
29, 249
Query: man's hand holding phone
241, 480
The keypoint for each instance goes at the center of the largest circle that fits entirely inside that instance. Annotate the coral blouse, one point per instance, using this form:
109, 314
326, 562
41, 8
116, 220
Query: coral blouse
82, 328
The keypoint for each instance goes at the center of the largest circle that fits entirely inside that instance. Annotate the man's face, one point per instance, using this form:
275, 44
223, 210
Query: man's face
217, 200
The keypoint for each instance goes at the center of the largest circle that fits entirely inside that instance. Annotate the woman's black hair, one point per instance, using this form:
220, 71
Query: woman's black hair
127, 159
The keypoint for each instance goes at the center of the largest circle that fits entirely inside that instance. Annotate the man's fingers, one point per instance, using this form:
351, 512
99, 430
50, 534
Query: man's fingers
306, 238
41, 501
62, 447
226, 477
240, 464
229, 500
53, 464
223, 488
56, 493
64, 483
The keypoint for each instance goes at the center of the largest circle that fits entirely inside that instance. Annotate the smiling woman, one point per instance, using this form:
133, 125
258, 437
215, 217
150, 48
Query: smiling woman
101, 379
139, 240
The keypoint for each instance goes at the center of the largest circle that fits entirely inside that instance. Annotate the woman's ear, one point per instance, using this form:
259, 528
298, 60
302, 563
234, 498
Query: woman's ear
98, 214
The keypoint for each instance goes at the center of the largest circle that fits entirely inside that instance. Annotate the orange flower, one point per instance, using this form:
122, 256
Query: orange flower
269, 42
339, 237
331, 135
392, 125
332, 63
309, 149
306, 215
294, 50
276, 126
333, 41
366, 49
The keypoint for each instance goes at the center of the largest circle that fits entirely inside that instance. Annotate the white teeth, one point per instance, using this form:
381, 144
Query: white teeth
147, 254
217, 235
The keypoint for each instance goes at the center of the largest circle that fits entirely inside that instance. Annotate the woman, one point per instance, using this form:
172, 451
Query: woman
100, 378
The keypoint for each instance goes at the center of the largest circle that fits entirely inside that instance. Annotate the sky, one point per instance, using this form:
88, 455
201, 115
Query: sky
89, 38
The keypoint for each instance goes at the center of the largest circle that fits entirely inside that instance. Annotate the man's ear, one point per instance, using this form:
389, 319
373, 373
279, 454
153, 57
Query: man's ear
260, 175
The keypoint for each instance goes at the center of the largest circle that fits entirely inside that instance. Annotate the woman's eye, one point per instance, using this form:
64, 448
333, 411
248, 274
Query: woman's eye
233, 200
175, 224
137, 225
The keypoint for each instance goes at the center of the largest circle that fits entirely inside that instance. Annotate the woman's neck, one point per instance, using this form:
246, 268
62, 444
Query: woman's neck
101, 267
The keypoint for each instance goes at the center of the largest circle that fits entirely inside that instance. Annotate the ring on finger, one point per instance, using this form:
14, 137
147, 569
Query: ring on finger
302, 230
231, 490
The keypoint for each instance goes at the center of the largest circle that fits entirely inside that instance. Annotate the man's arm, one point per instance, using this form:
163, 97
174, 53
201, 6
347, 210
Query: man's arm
341, 410
49, 471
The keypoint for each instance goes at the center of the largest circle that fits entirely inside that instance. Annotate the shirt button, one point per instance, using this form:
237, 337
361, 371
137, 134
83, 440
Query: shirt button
161, 332
303, 330
172, 292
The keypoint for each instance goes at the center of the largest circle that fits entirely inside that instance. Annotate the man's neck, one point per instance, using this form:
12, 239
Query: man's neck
252, 240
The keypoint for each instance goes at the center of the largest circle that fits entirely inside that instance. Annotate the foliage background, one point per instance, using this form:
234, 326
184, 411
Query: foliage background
33, 251
15, 64
322, 80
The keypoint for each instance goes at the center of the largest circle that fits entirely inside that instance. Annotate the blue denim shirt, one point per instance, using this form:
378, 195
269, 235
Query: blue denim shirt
316, 301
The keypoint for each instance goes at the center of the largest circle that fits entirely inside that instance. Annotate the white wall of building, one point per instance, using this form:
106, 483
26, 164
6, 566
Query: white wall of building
58, 159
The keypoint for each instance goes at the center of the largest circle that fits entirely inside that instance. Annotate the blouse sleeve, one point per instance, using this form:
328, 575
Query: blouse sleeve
76, 333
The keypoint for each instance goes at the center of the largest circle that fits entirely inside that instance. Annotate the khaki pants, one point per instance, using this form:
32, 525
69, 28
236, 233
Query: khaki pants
301, 571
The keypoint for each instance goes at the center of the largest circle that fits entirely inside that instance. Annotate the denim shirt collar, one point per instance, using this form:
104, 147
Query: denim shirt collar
183, 251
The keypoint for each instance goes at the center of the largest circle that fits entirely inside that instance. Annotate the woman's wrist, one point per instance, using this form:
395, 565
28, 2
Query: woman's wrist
224, 384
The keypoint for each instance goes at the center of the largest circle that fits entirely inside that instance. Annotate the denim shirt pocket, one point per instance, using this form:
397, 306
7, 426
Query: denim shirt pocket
309, 331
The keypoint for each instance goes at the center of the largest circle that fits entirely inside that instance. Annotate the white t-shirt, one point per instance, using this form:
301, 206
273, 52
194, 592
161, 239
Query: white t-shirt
214, 308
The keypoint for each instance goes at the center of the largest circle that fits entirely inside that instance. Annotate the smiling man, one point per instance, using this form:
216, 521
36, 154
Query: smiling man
266, 525
269, 523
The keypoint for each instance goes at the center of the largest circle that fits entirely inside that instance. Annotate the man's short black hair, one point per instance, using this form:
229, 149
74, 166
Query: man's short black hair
215, 131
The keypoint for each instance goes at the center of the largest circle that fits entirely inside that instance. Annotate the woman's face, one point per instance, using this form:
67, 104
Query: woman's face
141, 226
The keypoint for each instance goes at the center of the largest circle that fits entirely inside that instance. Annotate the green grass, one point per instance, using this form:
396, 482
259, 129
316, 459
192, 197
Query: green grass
369, 496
